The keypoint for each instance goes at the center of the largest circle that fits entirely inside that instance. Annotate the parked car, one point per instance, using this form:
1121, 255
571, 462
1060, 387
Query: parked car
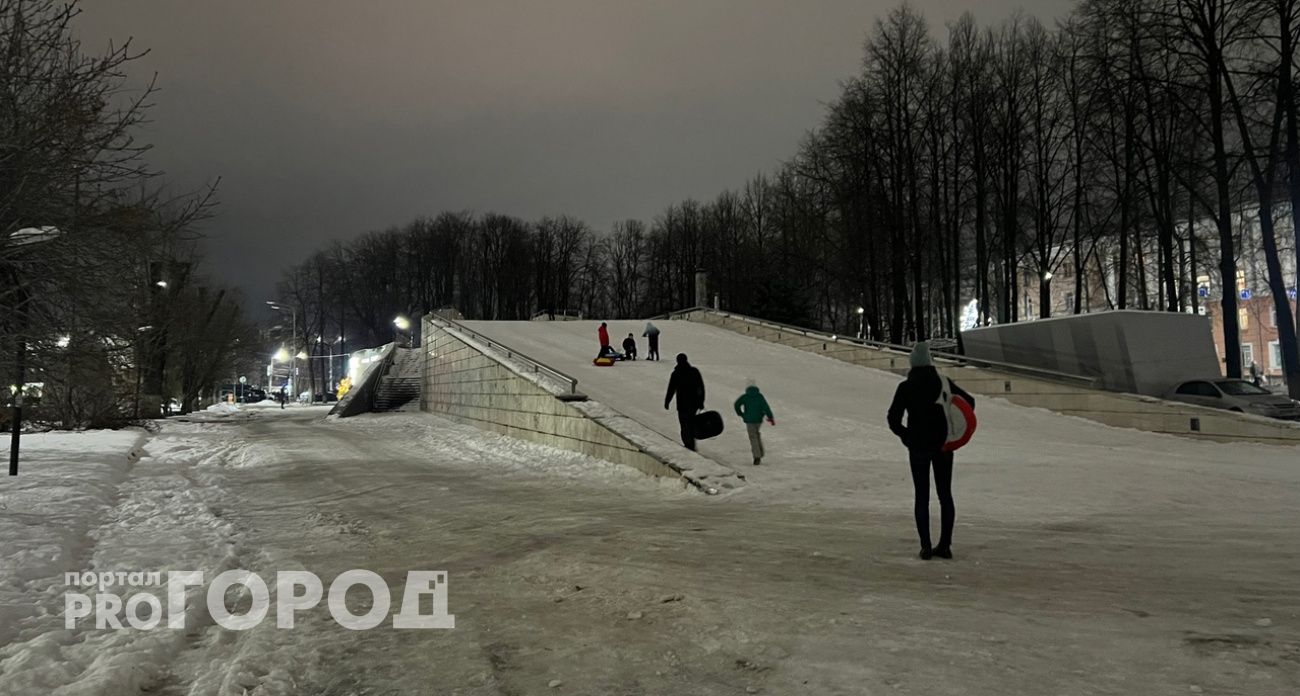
1236, 395
244, 393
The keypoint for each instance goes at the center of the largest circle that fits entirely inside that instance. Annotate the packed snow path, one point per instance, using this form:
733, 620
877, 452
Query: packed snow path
1139, 565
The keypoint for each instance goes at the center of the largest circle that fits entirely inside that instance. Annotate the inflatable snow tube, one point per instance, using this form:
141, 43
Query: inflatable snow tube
968, 413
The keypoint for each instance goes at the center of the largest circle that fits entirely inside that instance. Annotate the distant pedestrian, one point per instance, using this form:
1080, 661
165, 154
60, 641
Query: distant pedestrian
603, 334
688, 386
919, 397
284, 398
629, 348
752, 408
651, 334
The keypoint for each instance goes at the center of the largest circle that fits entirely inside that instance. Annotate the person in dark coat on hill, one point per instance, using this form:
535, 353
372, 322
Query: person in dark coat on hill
629, 348
688, 386
924, 436
651, 334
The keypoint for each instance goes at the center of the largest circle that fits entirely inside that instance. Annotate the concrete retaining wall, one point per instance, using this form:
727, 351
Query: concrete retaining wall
1130, 351
1116, 409
470, 383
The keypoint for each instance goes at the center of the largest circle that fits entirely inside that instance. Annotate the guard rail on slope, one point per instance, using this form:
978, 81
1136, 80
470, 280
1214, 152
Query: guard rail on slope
537, 366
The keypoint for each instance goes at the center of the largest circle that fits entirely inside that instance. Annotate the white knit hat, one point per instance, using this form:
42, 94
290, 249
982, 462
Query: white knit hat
921, 355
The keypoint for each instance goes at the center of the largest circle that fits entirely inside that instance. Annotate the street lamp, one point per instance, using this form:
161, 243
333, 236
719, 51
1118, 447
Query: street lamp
282, 356
332, 356
862, 322
403, 325
293, 313
22, 237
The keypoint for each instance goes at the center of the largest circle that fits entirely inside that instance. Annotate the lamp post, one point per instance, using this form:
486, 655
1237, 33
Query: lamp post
293, 341
283, 356
22, 237
331, 358
403, 325
862, 323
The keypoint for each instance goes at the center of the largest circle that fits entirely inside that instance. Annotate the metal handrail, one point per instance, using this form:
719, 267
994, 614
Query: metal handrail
511, 353
575, 313
880, 345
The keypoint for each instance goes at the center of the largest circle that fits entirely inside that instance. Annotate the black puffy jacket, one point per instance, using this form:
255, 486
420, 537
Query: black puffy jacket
688, 386
918, 397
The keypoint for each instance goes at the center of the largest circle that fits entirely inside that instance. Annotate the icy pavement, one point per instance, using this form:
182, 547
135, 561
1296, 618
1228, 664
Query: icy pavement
1089, 561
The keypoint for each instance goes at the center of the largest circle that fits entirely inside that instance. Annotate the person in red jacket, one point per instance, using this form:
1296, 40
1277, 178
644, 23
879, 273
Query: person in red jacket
603, 333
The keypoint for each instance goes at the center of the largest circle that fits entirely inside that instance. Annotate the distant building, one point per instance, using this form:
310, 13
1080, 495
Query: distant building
1259, 344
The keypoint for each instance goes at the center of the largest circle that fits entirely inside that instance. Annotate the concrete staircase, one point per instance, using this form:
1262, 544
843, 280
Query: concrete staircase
400, 383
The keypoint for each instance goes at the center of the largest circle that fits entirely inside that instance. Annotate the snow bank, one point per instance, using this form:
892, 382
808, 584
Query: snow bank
67, 482
109, 502
449, 443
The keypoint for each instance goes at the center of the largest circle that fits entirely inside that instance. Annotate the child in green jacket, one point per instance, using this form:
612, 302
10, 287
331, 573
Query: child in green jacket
753, 408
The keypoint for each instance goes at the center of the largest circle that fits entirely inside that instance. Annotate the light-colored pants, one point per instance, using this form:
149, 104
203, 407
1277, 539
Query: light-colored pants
755, 439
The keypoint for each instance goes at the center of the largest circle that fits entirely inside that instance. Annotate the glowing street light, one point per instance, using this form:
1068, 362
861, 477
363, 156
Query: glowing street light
862, 322
402, 322
278, 306
281, 355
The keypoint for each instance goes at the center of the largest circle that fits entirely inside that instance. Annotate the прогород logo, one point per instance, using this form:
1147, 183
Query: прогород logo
295, 591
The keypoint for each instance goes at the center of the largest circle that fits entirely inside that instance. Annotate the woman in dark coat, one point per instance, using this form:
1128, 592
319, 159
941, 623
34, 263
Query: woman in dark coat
924, 435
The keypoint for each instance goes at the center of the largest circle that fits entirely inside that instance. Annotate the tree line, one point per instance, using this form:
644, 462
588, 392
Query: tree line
105, 315
1125, 151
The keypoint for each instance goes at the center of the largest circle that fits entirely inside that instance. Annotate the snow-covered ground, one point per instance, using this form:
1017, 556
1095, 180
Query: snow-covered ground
1090, 560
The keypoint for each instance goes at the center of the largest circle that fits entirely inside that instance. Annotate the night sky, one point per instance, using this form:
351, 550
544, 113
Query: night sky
328, 119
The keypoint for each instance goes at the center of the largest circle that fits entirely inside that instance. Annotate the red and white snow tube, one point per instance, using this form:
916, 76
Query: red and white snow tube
955, 443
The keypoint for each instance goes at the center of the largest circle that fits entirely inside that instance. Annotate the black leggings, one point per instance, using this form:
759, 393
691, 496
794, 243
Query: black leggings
942, 462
